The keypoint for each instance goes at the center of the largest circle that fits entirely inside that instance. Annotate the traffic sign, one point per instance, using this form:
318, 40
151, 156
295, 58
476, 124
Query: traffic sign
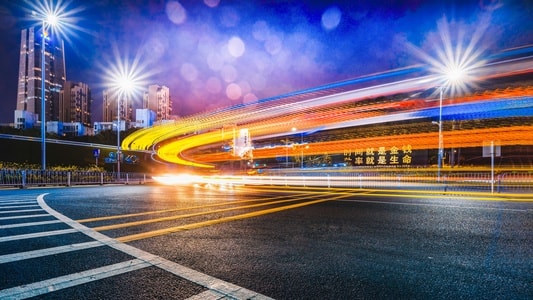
109, 160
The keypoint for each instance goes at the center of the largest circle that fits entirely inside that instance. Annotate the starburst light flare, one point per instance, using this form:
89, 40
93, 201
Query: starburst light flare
458, 57
125, 76
58, 17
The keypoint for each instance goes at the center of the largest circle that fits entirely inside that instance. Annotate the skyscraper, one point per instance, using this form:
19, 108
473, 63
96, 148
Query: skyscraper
75, 103
29, 81
111, 98
157, 99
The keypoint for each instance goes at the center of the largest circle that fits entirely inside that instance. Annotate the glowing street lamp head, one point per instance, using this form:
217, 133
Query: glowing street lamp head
124, 80
125, 76
454, 75
458, 61
52, 19
56, 15
125, 83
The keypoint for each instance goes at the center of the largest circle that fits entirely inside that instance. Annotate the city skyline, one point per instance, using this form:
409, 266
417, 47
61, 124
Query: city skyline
214, 54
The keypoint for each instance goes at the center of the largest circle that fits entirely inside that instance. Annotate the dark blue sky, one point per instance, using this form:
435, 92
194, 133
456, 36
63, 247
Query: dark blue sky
216, 53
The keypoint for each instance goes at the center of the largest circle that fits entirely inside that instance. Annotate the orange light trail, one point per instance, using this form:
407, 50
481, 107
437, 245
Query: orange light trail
179, 141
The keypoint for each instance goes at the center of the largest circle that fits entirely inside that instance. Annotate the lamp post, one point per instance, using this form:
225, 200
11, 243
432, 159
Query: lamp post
51, 20
123, 85
43, 104
294, 130
439, 159
286, 141
454, 76
118, 137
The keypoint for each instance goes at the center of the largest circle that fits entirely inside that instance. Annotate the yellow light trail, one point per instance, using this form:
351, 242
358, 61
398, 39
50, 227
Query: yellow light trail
176, 142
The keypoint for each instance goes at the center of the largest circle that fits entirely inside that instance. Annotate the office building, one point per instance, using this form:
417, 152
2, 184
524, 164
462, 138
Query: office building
110, 108
29, 77
157, 99
75, 103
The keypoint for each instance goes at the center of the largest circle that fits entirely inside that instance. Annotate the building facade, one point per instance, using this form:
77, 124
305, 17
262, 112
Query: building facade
157, 99
144, 118
75, 103
110, 109
29, 77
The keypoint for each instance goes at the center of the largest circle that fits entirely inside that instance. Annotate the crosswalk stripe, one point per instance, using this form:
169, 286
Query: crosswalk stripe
24, 216
20, 211
62, 282
47, 251
35, 235
17, 206
217, 289
21, 197
229, 290
29, 224
2, 204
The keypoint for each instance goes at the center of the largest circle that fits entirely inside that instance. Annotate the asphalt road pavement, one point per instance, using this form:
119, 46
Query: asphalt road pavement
186, 242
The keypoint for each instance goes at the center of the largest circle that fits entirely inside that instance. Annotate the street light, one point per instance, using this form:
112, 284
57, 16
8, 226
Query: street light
118, 137
286, 141
441, 142
456, 65
453, 76
51, 20
125, 77
125, 85
61, 17
293, 129
58, 16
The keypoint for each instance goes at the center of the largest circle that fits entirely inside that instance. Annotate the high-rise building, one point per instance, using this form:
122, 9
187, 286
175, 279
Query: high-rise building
110, 108
29, 81
157, 99
75, 103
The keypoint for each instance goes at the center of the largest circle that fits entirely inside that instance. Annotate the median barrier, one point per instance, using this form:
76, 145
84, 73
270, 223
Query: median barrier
35, 178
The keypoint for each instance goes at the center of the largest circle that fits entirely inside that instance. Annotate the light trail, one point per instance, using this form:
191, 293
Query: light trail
177, 142
515, 135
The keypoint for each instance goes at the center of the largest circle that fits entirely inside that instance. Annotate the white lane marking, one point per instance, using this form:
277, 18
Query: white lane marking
48, 251
29, 224
62, 282
24, 216
7, 198
207, 295
20, 201
19, 211
10, 197
229, 290
17, 206
35, 235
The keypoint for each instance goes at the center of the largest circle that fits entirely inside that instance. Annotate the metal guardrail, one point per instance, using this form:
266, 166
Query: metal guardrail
29, 178
505, 182
512, 181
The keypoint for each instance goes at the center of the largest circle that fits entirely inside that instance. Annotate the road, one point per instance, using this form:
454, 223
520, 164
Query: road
185, 242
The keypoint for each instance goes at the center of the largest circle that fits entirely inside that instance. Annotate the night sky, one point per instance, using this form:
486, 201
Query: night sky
217, 53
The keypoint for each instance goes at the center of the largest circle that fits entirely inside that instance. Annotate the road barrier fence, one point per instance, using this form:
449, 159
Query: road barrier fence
31, 178
482, 181
515, 181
